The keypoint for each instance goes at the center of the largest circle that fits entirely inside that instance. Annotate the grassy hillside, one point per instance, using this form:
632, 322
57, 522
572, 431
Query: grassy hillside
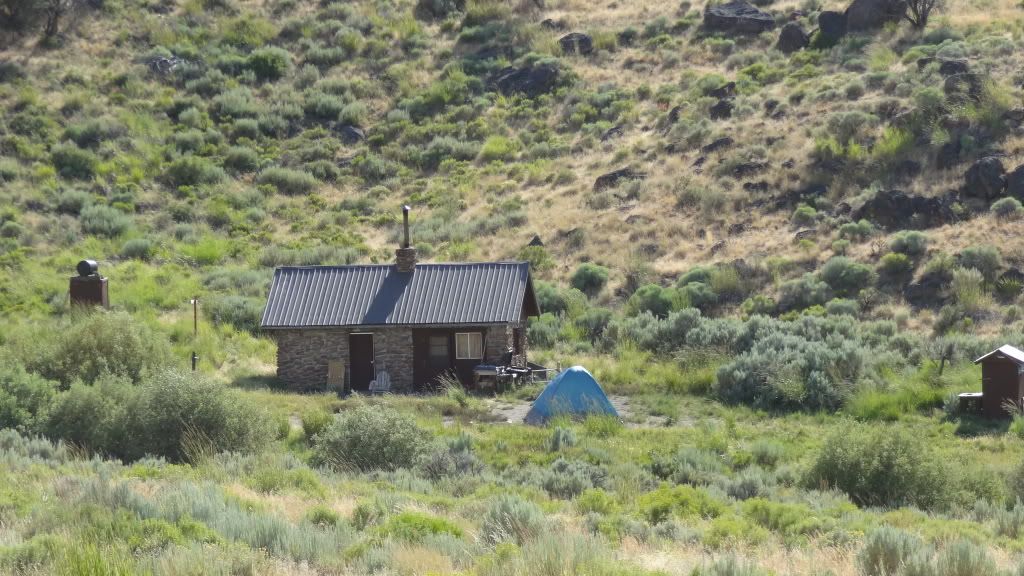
783, 300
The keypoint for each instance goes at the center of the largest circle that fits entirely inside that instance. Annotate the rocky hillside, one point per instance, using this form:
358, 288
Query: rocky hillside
783, 158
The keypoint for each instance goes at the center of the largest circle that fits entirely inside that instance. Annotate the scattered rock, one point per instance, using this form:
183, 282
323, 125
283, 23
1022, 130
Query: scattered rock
673, 114
927, 292
895, 210
804, 234
759, 187
1012, 275
529, 80
907, 170
842, 209
612, 179
1015, 183
351, 134
832, 25
722, 110
613, 132
749, 169
727, 90
718, 247
577, 43
924, 61
536, 241
874, 14
967, 85
736, 229
1014, 116
949, 154
738, 17
552, 24
717, 145
985, 179
789, 164
792, 38
164, 66
770, 105
951, 67
700, 161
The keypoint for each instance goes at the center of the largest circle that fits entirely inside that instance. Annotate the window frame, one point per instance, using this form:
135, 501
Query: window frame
464, 352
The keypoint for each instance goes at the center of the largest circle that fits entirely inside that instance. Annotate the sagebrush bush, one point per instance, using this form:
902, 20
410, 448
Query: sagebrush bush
845, 276
270, 63
909, 242
73, 162
886, 550
985, 259
101, 220
511, 519
288, 181
371, 438
242, 312
138, 249
589, 278
881, 466
193, 171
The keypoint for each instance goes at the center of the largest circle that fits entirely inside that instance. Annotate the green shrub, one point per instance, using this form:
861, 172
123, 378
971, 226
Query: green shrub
412, 526
858, 231
101, 220
314, 422
804, 215
138, 249
685, 501
985, 259
270, 63
497, 148
881, 466
511, 519
24, 398
73, 162
886, 550
92, 344
241, 160
561, 438
803, 292
654, 299
845, 276
964, 558
193, 171
729, 566
371, 438
895, 269
287, 181
909, 242
242, 312
589, 278
1007, 208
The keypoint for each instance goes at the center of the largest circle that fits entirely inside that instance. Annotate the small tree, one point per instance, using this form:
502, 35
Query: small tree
918, 11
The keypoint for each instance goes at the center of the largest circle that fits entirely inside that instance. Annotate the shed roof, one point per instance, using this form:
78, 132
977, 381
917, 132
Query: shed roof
377, 295
1008, 351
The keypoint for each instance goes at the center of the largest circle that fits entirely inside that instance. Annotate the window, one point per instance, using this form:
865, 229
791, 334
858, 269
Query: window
469, 346
439, 348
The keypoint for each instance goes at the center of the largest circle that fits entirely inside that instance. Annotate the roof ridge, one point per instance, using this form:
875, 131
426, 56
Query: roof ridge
391, 265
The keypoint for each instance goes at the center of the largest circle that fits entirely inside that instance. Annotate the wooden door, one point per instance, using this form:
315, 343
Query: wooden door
360, 353
432, 356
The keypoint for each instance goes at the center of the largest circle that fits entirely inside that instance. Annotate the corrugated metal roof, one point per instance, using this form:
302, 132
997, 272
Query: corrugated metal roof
1010, 352
375, 295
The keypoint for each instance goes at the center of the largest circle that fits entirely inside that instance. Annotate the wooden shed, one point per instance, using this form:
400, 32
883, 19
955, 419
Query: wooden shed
1002, 380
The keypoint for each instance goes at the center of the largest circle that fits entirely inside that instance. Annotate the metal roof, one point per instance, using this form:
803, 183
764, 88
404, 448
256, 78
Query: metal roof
1010, 352
376, 295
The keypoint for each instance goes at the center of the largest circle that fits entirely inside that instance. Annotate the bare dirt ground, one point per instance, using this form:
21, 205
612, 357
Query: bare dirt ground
514, 412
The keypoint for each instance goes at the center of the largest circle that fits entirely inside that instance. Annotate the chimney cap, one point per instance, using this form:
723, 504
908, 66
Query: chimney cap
87, 268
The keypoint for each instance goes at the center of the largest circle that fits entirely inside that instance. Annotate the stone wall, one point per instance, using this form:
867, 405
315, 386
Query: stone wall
303, 355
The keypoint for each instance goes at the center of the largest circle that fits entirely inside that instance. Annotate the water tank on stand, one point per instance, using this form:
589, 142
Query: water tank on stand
89, 288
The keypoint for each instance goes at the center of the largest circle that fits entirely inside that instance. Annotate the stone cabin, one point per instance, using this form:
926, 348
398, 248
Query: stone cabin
341, 326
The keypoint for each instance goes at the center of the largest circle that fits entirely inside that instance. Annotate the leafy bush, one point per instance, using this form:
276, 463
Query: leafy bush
803, 292
93, 344
270, 63
895, 269
314, 422
101, 220
684, 501
73, 162
654, 299
138, 249
985, 259
193, 171
24, 398
590, 278
886, 550
371, 438
845, 276
497, 148
287, 181
241, 160
511, 519
909, 242
413, 526
881, 466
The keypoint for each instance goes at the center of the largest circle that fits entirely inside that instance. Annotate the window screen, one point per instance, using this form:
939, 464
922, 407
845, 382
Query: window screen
469, 346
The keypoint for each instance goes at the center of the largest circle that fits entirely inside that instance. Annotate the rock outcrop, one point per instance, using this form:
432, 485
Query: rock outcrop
896, 210
985, 179
576, 43
529, 80
613, 178
874, 14
792, 38
738, 17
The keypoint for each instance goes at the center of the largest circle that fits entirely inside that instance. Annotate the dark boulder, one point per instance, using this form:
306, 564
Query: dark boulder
746, 169
1014, 116
896, 210
949, 154
1012, 275
722, 110
874, 14
907, 170
792, 38
612, 179
613, 132
576, 43
985, 179
964, 86
727, 90
673, 114
529, 80
536, 241
758, 187
832, 25
924, 61
951, 67
928, 292
351, 134
717, 145
738, 17
552, 24
1015, 183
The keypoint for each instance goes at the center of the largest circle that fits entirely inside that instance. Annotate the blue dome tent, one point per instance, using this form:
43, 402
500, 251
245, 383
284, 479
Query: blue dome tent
574, 392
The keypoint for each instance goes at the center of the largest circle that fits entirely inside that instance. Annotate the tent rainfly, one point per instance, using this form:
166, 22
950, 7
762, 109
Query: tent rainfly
574, 392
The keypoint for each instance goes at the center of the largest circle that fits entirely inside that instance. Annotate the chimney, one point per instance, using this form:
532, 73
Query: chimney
89, 289
405, 256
